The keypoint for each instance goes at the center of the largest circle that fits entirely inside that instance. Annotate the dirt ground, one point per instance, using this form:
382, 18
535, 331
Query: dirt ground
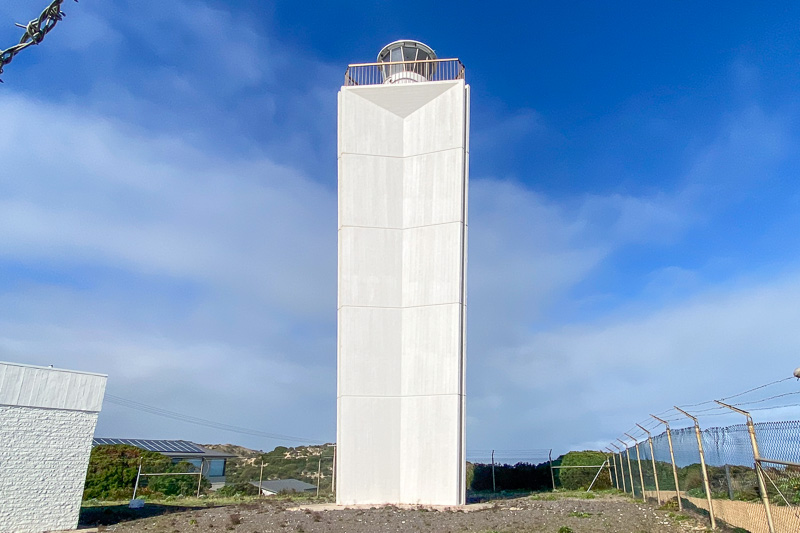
540, 513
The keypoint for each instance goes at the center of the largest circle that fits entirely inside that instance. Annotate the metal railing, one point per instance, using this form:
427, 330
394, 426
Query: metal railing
403, 72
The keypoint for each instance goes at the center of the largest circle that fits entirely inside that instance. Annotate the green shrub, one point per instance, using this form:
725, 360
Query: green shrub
112, 474
177, 485
470, 474
581, 478
693, 478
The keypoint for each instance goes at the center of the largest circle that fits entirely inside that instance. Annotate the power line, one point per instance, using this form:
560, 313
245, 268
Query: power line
131, 404
710, 411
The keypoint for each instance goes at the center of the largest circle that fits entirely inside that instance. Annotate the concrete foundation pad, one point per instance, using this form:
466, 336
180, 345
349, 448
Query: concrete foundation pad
442, 508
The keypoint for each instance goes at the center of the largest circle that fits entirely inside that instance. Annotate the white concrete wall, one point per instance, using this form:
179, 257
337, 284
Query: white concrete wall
47, 421
403, 159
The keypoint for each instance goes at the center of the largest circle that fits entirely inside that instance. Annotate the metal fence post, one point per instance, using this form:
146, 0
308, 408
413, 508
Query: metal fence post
672, 458
552, 476
494, 486
597, 475
333, 470
703, 466
608, 460
616, 468
639, 462
319, 472
621, 466
762, 486
138, 475
261, 480
653, 459
630, 468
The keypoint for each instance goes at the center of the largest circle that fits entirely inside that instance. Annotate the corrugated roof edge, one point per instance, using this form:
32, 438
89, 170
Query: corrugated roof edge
55, 369
129, 442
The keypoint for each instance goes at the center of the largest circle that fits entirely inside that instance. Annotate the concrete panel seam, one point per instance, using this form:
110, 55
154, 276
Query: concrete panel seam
351, 306
459, 148
454, 394
403, 227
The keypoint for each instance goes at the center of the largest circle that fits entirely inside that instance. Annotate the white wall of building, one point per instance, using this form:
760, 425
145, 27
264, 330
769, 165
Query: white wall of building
403, 160
47, 421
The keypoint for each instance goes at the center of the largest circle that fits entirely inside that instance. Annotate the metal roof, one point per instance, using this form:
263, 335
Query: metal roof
410, 43
278, 485
167, 447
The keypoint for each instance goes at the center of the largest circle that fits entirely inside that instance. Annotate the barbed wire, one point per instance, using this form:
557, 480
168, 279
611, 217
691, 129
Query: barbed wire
35, 31
669, 415
757, 388
767, 399
775, 407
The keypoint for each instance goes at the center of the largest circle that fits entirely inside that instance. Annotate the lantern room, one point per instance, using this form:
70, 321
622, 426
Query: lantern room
407, 62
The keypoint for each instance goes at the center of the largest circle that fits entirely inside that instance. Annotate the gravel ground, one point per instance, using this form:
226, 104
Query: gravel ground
609, 513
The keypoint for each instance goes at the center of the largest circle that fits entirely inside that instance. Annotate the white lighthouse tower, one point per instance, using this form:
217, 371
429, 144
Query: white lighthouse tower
403, 166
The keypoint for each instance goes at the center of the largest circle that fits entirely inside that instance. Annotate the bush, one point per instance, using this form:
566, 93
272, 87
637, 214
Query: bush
470, 474
521, 476
693, 478
112, 470
581, 478
178, 485
112, 474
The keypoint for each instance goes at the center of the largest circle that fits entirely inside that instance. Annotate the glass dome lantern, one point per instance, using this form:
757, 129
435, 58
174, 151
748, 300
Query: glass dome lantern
410, 62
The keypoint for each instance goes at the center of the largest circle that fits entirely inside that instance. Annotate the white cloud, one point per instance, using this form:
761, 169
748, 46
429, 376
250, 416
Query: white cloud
149, 230
185, 262
587, 381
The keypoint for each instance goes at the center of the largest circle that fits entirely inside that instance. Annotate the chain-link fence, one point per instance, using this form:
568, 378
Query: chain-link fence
120, 472
745, 475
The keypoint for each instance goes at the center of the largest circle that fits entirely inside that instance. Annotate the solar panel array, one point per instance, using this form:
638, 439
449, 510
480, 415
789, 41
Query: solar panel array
163, 446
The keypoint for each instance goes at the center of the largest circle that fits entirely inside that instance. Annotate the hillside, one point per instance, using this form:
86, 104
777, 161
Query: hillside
302, 462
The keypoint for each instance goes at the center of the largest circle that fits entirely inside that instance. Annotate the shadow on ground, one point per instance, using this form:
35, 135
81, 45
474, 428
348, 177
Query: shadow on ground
114, 514
485, 496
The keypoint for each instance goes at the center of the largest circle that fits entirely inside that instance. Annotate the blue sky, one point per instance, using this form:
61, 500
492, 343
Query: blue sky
168, 208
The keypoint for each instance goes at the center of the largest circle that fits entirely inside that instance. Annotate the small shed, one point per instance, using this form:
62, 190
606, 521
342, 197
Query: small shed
275, 486
47, 419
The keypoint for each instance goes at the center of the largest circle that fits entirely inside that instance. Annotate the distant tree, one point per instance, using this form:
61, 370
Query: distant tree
521, 476
470, 474
581, 478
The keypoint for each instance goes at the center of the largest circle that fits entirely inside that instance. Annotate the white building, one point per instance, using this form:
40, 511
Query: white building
47, 420
403, 159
